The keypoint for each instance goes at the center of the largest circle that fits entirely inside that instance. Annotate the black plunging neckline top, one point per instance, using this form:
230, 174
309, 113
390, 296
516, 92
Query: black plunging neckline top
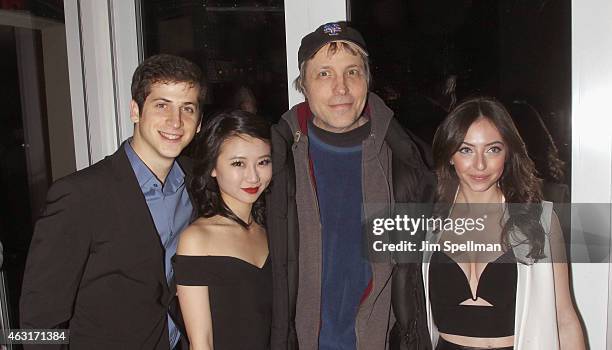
449, 287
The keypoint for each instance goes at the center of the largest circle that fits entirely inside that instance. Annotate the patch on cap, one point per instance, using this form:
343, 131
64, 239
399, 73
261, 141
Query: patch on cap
332, 29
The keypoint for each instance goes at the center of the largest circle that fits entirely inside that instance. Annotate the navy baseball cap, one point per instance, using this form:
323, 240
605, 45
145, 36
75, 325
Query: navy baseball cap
334, 31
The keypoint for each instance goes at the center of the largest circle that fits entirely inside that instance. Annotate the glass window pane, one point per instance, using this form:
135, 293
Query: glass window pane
240, 45
428, 54
37, 141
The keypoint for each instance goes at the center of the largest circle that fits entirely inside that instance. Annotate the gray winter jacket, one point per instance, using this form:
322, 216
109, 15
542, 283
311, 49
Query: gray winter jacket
294, 228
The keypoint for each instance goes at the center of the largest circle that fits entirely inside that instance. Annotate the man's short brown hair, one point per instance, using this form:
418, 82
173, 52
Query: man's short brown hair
164, 68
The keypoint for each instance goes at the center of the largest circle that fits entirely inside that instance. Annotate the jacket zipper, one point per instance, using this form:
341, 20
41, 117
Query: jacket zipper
373, 270
296, 138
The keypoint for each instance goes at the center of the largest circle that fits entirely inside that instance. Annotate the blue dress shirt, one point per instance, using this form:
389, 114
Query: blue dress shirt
170, 209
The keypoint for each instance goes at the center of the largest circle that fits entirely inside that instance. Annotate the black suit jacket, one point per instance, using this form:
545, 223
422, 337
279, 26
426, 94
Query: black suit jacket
96, 263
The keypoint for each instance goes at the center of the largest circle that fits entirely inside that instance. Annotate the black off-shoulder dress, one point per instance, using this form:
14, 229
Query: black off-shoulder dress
240, 298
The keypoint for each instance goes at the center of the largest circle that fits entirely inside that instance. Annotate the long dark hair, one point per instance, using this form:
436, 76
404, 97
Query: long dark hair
204, 187
518, 183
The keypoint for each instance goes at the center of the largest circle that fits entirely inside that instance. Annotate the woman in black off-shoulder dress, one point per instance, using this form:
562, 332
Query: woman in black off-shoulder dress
222, 268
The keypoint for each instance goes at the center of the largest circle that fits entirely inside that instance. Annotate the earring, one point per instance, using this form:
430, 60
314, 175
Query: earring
451, 162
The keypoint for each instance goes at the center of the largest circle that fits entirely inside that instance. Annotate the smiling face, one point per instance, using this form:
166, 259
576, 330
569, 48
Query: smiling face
479, 162
336, 89
169, 119
243, 169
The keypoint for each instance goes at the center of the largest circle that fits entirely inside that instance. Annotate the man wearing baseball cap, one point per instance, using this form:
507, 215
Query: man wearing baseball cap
334, 156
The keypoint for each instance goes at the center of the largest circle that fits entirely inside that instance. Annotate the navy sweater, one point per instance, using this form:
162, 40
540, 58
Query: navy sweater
346, 272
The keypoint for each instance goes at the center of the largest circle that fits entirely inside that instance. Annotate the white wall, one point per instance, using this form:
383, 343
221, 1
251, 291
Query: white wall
102, 55
125, 52
591, 151
301, 18
76, 80
97, 71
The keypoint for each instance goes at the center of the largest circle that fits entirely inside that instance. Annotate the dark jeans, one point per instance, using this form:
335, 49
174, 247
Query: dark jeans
445, 345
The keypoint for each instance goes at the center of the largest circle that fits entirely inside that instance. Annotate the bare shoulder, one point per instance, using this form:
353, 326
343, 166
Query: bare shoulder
204, 236
199, 237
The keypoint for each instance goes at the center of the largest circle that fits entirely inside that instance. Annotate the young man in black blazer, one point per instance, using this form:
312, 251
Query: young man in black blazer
99, 262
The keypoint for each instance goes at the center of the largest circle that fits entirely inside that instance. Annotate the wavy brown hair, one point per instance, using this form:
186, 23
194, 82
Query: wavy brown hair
518, 183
